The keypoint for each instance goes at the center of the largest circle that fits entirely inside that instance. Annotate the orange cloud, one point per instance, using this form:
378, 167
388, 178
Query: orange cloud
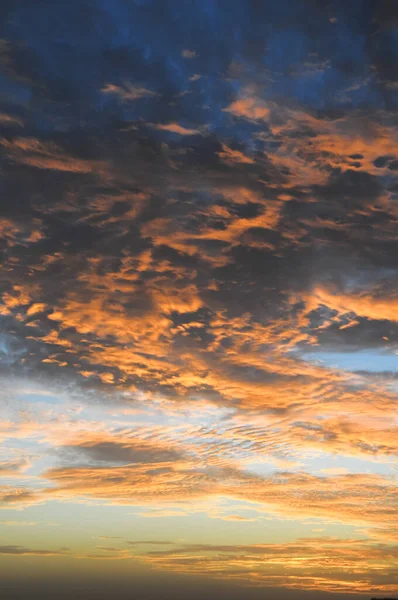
289, 494
6, 119
47, 155
372, 304
319, 564
177, 128
232, 157
249, 106
127, 92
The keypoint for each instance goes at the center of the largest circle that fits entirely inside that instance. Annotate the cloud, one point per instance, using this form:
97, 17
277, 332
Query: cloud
10, 496
188, 54
127, 92
249, 106
176, 128
185, 226
150, 543
114, 453
13, 467
375, 304
290, 494
236, 518
42, 155
323, 564
10, 120
17, 523
22, 551
231, 157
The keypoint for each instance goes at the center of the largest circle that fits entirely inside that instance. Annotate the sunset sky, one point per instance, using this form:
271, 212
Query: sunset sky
199, 299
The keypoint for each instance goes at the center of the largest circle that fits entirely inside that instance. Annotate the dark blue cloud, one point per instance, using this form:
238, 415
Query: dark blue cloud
186, 103
64, 53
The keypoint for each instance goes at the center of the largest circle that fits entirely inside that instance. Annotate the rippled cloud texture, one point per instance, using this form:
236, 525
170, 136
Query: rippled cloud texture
199, 308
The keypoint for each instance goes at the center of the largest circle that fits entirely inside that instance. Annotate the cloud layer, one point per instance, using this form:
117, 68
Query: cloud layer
199, 277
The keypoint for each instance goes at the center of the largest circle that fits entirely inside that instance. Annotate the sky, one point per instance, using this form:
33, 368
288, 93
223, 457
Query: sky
199, 306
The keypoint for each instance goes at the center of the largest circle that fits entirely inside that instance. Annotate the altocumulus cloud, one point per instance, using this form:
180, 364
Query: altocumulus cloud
198, 227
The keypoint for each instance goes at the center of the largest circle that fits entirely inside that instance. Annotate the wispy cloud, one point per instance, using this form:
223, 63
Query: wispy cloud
127, 92
176, 128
